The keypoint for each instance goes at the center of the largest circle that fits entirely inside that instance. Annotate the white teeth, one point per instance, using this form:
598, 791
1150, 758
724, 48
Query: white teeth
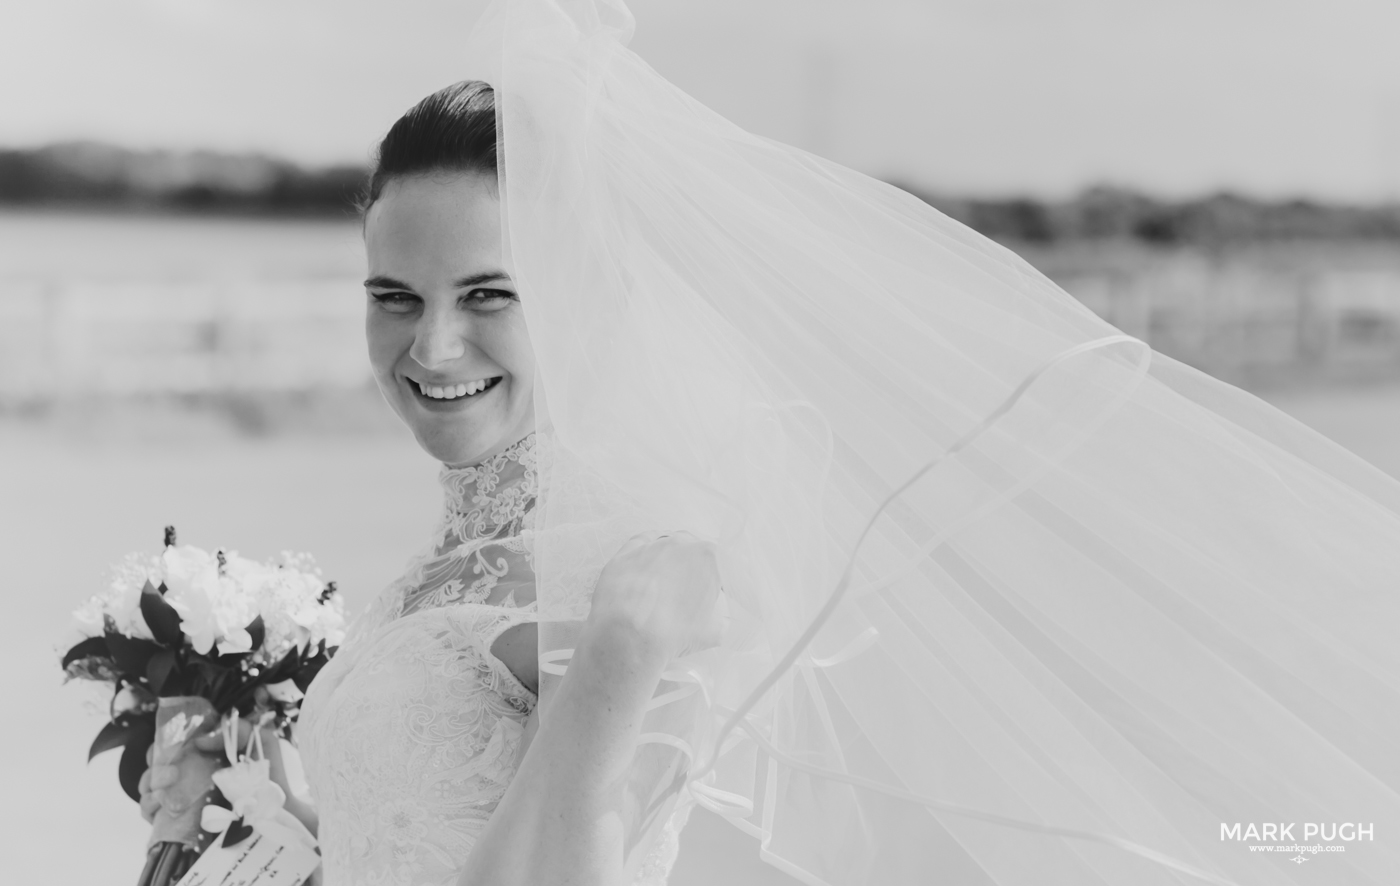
452, 392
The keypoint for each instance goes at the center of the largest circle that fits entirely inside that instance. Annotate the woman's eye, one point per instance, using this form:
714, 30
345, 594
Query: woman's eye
489, 298
395, 302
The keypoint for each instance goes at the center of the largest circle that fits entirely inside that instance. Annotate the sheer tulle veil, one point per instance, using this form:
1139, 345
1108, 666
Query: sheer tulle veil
1011, 598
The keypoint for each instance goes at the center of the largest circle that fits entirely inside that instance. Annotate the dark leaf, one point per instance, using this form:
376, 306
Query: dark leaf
161, 618
308, 672
92, 646
169, 536
283, 669
314, 653
257, 631
99, 669
210, 682
133, 764
210, 671
122, 730
237, 832
131, 654
158, 670
238, 696
232, 660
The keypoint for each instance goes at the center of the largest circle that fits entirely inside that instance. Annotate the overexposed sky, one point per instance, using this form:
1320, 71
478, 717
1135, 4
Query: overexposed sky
1270, 97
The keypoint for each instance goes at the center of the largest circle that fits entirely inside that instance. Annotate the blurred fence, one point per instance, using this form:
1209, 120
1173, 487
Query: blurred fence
1238, 320
78, 338
1254, 323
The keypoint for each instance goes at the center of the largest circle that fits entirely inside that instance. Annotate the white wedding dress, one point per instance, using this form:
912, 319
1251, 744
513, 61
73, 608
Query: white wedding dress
411, 734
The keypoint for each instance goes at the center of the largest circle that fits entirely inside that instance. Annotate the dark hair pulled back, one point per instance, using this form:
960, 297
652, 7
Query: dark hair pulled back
452, 130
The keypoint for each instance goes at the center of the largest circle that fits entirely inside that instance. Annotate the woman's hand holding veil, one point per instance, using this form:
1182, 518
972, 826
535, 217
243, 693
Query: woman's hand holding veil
663, 587
568, 815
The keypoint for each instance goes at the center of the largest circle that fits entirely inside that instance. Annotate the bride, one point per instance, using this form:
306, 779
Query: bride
414, 740
770, 489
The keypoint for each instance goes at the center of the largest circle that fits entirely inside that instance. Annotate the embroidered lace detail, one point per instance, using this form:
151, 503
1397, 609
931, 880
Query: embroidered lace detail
412, 733
485, 528
656, 867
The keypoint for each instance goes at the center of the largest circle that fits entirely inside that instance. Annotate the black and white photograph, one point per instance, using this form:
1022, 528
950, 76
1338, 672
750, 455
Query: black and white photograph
700, 442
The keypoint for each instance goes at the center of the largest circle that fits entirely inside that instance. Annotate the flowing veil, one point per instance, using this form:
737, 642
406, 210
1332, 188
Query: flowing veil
1012, 598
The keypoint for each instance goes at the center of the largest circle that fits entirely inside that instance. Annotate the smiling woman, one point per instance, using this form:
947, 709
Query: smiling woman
447, 338
431, 707
415, 743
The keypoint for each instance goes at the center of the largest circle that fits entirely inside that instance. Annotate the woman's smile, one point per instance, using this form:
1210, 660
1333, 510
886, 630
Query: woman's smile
443, 395
446, 333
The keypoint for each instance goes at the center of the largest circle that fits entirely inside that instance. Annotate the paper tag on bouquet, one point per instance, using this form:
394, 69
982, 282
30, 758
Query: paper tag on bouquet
273, 855
258, 841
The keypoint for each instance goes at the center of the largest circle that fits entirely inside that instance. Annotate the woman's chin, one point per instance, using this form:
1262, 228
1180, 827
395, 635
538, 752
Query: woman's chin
460, 446
460, 449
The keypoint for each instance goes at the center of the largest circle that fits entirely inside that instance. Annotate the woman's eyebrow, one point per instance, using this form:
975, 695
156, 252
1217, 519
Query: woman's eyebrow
478, 279
389, 283
386, 283
382, 282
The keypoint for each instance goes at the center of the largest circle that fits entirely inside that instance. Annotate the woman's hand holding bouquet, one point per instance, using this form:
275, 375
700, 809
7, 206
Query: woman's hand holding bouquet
189, 641
204, 755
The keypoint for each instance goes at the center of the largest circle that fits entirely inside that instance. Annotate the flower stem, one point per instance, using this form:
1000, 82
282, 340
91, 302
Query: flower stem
152, 862
165, 868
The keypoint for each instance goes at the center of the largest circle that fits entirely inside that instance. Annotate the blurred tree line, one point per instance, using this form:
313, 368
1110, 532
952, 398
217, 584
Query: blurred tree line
90, 174
1109, 213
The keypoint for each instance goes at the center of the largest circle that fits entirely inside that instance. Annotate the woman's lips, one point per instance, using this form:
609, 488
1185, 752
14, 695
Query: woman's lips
454, 393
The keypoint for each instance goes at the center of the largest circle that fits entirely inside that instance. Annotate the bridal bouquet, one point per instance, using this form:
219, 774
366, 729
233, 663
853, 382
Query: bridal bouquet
187, 639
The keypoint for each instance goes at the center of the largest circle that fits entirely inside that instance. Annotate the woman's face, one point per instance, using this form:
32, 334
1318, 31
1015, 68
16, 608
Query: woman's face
446, 334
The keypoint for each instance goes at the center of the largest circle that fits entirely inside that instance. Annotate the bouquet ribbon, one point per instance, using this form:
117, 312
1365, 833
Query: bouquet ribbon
255, 799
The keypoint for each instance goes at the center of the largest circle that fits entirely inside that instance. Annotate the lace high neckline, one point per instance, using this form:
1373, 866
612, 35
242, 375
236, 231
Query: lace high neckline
495, 491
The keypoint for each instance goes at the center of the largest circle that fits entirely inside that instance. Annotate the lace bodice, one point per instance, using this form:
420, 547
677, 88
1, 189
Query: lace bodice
410, 736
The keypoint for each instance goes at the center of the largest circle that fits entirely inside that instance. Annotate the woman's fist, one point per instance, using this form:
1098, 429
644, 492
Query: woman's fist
200, 757
664, 586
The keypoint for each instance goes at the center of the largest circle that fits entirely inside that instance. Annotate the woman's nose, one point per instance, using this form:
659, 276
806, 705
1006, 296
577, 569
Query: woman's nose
439, 339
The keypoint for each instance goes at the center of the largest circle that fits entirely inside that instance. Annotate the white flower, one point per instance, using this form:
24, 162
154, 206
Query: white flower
191, 580
217, 596
130, 700
250, 791
125, 608
236, 640
88, 617
121, 602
